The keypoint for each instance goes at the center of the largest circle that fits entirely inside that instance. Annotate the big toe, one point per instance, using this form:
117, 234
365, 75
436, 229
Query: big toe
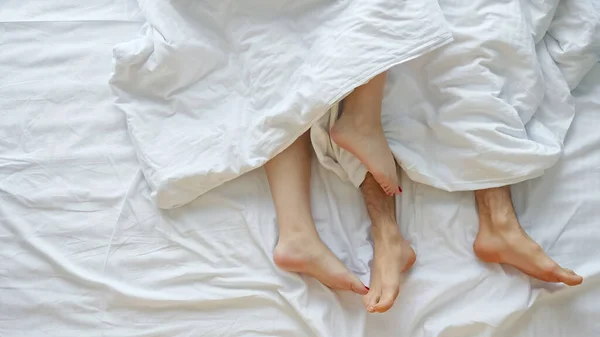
371, 299
387, 299
569, 277
357, 286
371, 304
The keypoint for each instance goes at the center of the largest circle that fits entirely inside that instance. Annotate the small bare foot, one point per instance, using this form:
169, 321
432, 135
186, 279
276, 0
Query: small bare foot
502, 240
307, 254
367, 142
392, 256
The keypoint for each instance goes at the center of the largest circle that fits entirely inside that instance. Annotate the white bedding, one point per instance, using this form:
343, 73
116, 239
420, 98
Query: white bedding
214, 90
84, 251
489, 109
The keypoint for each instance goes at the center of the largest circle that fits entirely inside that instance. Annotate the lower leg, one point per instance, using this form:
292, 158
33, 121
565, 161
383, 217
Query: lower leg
299, 248
359, 131
392, 254
501, 239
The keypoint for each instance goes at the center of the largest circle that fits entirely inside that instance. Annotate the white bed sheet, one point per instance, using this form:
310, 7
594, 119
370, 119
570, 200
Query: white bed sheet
85, 252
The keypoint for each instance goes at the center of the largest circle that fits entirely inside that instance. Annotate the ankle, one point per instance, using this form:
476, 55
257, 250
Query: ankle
499, 224
297, 233
495, 208
355, 111
494, 198
386, 231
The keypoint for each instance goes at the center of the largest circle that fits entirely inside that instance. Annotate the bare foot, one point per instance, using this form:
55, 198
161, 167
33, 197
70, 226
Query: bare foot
392, 256
367, 142
502, 240
308, 255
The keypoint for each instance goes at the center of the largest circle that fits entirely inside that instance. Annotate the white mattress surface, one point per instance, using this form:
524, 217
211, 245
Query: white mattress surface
84, 251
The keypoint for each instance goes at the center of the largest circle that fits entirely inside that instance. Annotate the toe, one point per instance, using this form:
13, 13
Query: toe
368, 302
394, 181
550, 272
387, 298
569, 277
385, 186
367, 299
357, 286
372, 300
385, 189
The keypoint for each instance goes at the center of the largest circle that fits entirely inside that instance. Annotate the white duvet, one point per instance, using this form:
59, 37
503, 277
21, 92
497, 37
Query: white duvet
489, 109
214, 90
217, 88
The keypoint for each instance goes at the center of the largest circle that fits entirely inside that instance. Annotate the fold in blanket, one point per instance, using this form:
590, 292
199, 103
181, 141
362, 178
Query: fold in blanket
490, 109
214, 89
478, 92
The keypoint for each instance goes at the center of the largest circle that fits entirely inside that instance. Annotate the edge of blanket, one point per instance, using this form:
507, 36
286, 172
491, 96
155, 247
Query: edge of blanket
163, 195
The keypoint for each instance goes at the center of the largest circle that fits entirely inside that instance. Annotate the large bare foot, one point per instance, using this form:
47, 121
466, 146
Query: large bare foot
367, 142
502, 240
307, 254
392, 256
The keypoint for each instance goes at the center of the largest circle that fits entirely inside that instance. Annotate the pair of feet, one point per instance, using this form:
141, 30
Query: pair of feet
500, 240
358, 131
307, 254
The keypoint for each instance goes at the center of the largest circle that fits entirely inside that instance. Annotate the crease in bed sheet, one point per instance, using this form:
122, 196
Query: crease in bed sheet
229, 255
215, 90
241, 236
489, 109
129, 188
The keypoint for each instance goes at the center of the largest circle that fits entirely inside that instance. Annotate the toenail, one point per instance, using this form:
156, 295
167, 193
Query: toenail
368, 289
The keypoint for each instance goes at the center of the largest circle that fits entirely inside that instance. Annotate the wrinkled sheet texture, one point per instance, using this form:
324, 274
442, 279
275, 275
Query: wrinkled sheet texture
86, 252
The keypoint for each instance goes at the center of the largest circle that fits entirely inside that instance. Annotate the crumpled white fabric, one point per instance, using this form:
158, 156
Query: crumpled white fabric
489, 109
214, 89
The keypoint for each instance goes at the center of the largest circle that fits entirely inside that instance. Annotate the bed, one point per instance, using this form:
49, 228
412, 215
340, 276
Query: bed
85, 251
